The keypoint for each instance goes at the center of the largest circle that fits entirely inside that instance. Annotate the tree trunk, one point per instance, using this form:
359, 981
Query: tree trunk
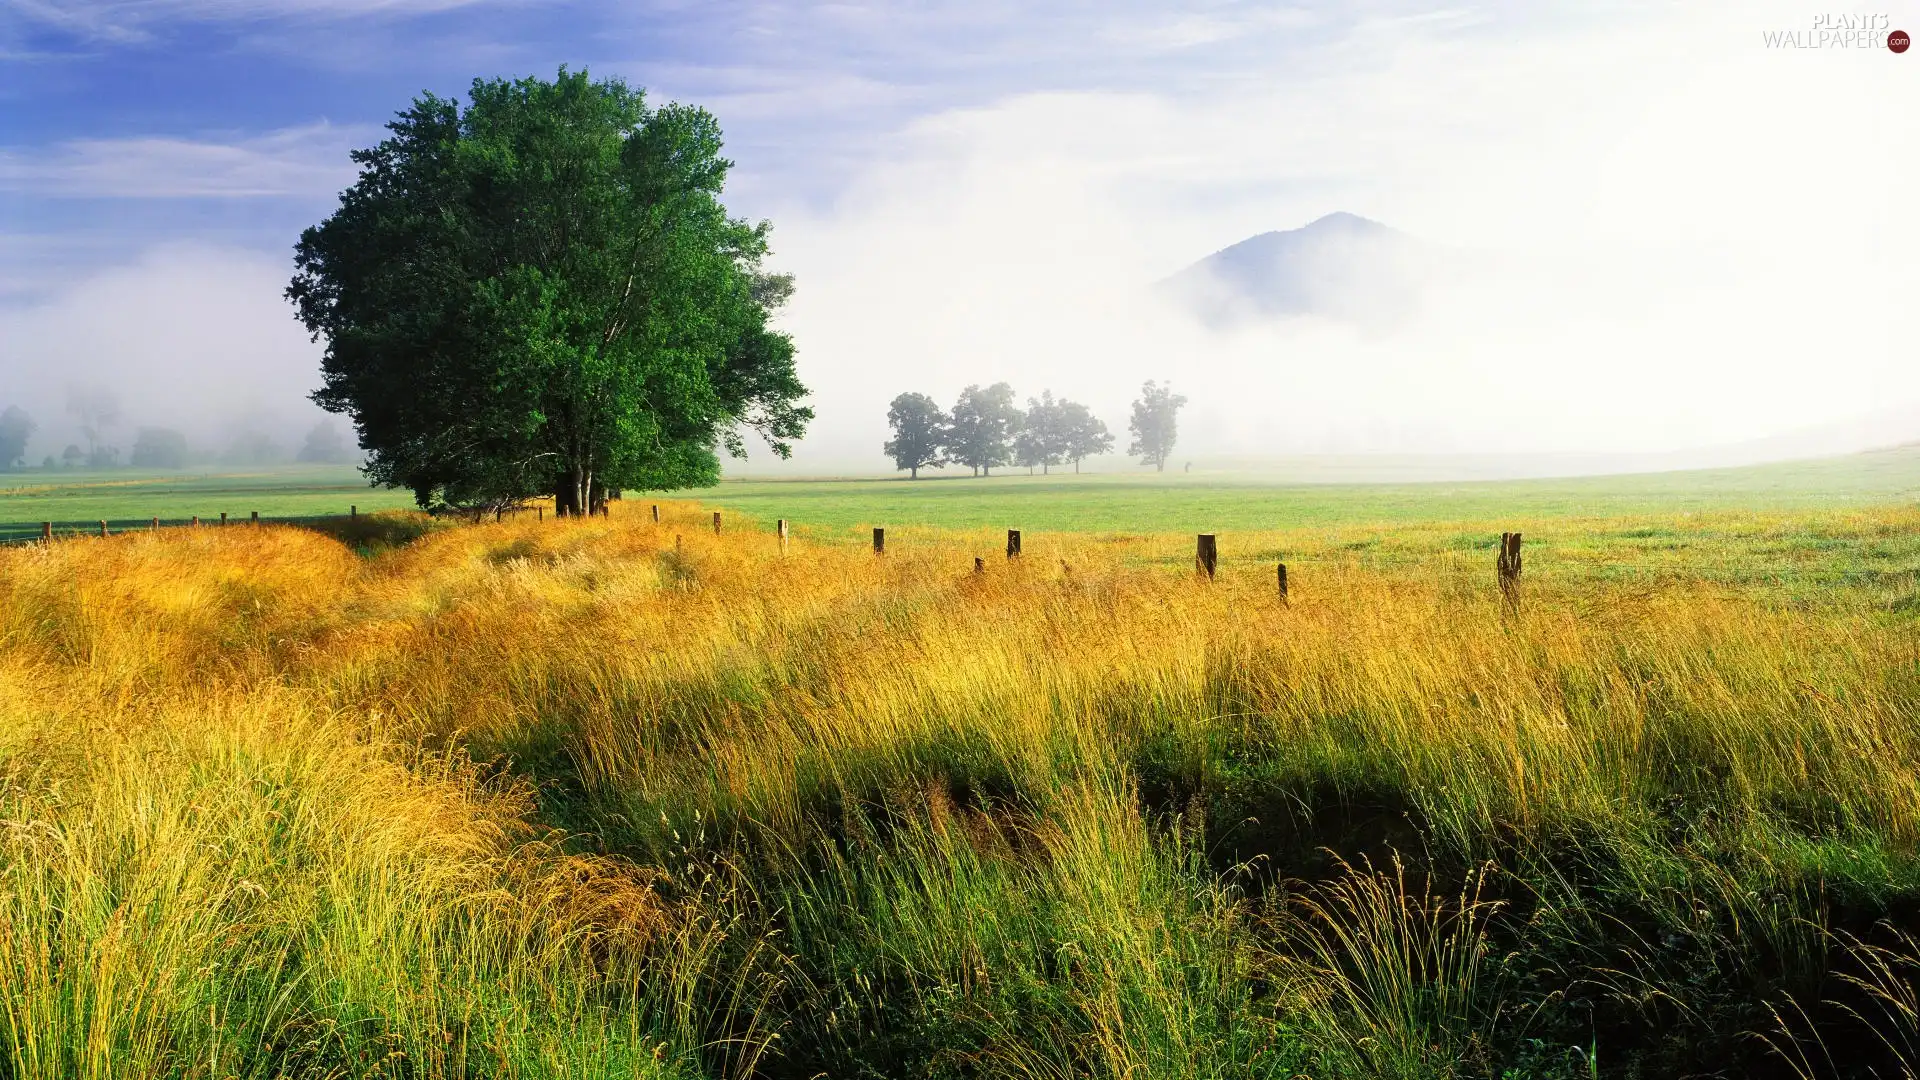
913, 472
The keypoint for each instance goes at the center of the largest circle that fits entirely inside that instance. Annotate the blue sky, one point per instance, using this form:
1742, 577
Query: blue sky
974, 191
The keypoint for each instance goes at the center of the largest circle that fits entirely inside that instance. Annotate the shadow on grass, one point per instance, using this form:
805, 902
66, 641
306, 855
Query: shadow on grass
384, 530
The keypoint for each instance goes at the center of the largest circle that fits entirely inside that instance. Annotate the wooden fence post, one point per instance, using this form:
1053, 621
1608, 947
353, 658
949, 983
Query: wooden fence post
656, 513
1508, 566
256, 517
1283, 584
223, 517
879, 541
979, 565
1013, 543
156, 524
103, 528
353, 513
46, 532
716, 523
196, 521
1206, 554
539, 513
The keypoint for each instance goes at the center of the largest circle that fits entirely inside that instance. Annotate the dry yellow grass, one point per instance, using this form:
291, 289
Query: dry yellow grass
268, 807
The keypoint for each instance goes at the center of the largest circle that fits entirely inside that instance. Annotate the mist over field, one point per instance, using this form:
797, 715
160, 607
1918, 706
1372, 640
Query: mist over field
1677, 247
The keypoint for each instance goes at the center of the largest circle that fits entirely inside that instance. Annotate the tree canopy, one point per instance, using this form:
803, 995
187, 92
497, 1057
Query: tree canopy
541, 292
980, 434
1043, 433
16, 427
919, 433
159, 448
1155, 424
1082, 434
324, 445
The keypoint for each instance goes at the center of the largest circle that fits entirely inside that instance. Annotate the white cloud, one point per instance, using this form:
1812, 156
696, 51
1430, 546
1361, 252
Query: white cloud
307, 161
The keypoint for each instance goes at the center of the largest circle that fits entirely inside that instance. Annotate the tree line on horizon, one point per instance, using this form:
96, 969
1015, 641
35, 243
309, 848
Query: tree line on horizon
986, 428
97, 412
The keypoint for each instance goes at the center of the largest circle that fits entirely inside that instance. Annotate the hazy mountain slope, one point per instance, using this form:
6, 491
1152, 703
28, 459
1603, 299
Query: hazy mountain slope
1340, 266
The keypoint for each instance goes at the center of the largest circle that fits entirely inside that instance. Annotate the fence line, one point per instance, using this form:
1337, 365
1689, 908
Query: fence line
1207, 559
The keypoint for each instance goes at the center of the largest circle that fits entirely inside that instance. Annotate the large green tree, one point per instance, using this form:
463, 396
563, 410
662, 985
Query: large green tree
541, 292
919, 431
1155, 425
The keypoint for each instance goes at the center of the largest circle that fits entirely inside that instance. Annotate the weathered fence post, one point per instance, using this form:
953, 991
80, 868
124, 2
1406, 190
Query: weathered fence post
879, 541
716, 523
1283, 584
1206, 555
46, 532
1013, 543
1508, 566
979, 565
223, 517
539, 513
781, 528
353, 513
196, 521
156, 524
656, 513
103, 528
256, 517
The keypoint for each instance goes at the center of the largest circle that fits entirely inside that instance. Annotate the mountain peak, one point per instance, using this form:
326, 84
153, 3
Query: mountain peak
1339, 265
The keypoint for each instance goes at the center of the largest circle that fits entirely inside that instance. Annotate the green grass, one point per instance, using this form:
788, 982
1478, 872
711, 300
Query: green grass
126, 498
1213, 501
1105, 502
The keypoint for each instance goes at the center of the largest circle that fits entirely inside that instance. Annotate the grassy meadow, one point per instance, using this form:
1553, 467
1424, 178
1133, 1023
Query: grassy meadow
611, 798
1341, 492
76, 501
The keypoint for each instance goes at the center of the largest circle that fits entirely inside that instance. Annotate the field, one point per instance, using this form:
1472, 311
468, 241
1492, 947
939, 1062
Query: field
1118, 500
1310, 495
611, 798
77, 501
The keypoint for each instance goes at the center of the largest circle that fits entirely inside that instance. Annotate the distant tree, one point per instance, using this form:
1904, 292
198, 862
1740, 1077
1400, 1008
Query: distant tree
103, 457
983, 426
72, 456
48, 462
325, 445
1027, 451
97, 409
159, 448
253, 448
1155, 424
1083, 434
919, 429
16, 427
541, 293
1043, 433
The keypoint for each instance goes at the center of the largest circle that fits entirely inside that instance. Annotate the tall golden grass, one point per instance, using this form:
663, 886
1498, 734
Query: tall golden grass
611, 798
